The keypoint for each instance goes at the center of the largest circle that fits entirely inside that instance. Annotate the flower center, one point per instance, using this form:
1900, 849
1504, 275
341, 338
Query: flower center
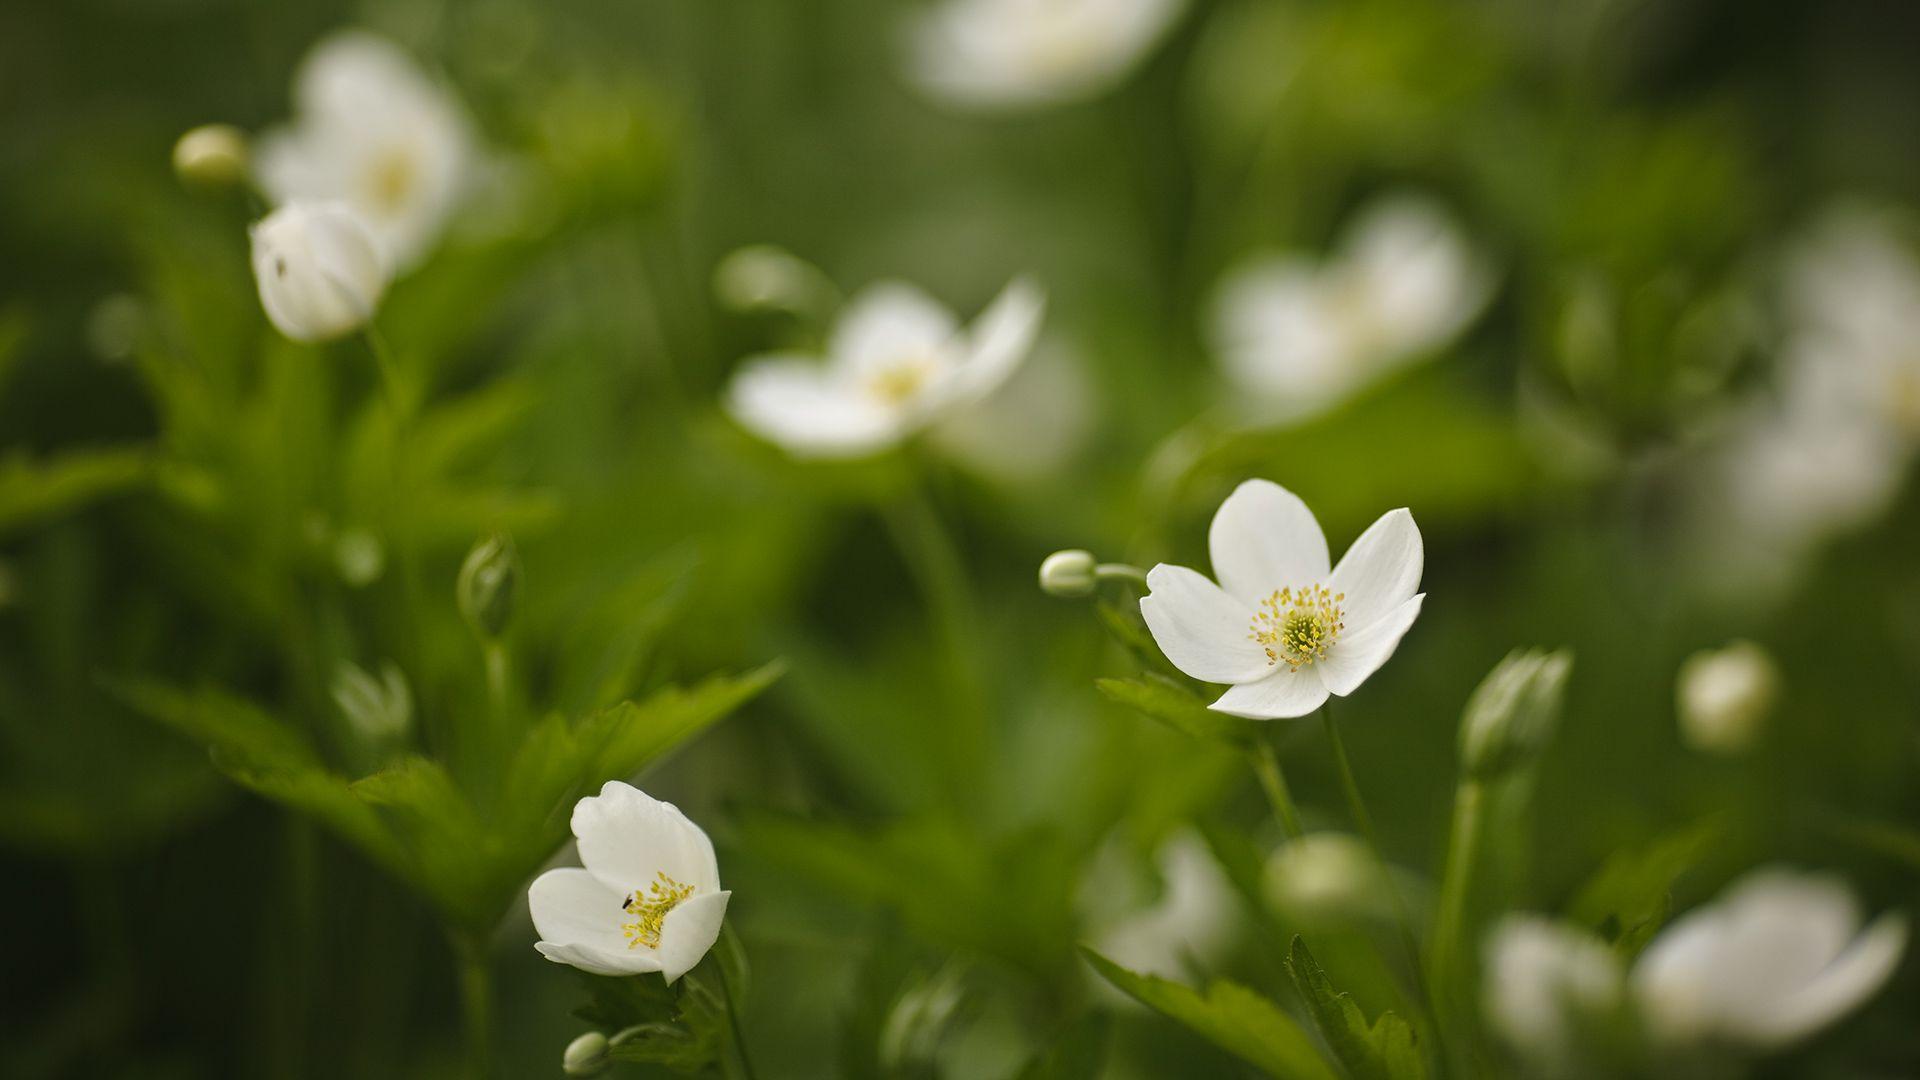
1296, 626
899, 382
391, 180
649, 910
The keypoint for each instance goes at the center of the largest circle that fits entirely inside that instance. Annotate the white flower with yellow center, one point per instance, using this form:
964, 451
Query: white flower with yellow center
896, 361
648, 898
1005, 54
1300, 334
1281, 627
373, 131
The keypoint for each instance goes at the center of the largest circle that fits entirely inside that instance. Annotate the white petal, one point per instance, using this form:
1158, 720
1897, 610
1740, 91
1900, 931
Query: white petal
1000, 339
1205, 632
796, 403
1847, 982
1674, 979
688, 931
1282, 695
627, 837
1280, 336
598, 961
1359, 654
571, 906
1264, 538
887, 322
1381, 570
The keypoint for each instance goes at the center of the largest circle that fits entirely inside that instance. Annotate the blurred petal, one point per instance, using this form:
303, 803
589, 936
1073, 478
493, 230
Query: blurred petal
627, 837
1000, 339
1202, 630
888, 322
1264, 538
1853, 977
688, 931
1360, 653
792, 401
1282, 695
1381, 570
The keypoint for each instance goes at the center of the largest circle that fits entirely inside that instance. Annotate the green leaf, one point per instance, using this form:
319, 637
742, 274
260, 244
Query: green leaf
1078, 1054
1123, 621
679, 1028
32, 491
637, 735
1162, 699
1631, 895
1383, 1050
1230, 1016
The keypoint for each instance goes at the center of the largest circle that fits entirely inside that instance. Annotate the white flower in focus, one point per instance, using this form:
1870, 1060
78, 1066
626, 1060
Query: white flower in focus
896, 361
648, 898
1193, 919
1280, 627
1778, 957
319, 273
1547, 987
1301, 335
1009, 54
372, 130
1724, 695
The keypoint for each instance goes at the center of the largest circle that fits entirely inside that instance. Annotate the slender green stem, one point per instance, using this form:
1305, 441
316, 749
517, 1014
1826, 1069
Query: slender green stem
733, 1023
1108, 571
1456, 883
389, 371
476, 1001
1266, 765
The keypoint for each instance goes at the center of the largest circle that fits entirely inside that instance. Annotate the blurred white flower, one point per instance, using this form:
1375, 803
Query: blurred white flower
1192, 920
1547, 986
1300, 335
1010, 54
372, 130
1778, 957
648, 899
1724, 695
1280, 627
379, 710
319, 272
896, 361
1328, 879
1828, 450
1032, 428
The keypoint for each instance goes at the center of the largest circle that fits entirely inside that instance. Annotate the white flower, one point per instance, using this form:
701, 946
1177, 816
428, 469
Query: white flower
649, 898
896, 361
1007, 54
1193, 919
1280, 627
1780, 956
1328, 879
1301, 334
1724, 695
1547, 987
375, 132
319, 273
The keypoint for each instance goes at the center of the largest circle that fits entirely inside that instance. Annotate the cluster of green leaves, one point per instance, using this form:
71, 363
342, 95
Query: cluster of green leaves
684, 1028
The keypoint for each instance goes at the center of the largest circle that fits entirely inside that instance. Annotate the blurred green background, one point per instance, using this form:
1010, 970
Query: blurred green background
186, 497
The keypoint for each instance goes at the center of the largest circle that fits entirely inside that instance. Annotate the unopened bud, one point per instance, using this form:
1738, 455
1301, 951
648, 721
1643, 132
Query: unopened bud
1513, 712
586, 1055
1328, 879
1725, 695
763, 277
489, 580
211, 155
379, 710
1068, 574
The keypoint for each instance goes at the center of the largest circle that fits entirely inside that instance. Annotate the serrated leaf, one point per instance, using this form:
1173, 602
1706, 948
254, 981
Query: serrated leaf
1230, 1016
631, 736
1124, 623
1383, 1050
1165, 700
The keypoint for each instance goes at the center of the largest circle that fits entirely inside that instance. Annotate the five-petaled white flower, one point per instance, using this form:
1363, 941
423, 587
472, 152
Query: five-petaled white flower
649, 898
1280, 627
373, 131
896, 361
319, 274
1005, 54
1300, 335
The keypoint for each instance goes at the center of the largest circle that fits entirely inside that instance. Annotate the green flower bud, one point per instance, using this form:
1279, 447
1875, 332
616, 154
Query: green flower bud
586, 1055
212, 156
1725, 695
1512, 714
489, 580
1068, 574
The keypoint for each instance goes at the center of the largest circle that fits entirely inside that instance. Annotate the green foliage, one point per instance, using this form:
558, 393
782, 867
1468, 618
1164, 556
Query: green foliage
1230, 1016
1383, 1050
680, 1028
1629, 898
34, 491
1171, 703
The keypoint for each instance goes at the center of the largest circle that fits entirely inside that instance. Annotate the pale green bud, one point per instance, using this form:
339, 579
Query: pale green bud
1328, 879
211, 155
763, 277
1513, 712
488, 584
586, 1055
1068, 574
1725, 695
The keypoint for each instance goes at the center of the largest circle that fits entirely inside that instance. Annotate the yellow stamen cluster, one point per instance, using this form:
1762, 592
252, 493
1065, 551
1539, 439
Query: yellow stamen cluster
1298, 626
899, 383
649, 910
